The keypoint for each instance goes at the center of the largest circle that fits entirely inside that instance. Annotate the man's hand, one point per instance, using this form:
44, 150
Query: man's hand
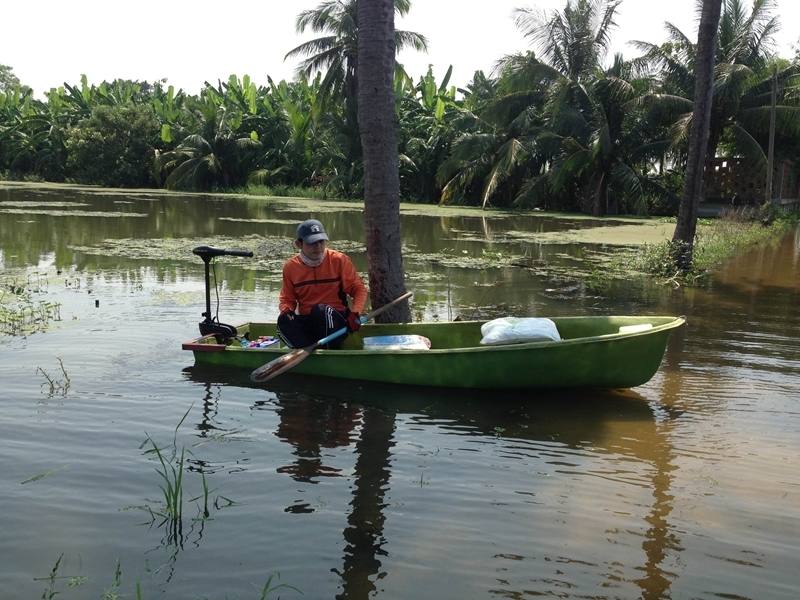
288, 314
353, 321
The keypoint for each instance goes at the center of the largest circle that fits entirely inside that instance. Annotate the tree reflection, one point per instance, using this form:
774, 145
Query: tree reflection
310, 423
317, 413
660, 537
364, 532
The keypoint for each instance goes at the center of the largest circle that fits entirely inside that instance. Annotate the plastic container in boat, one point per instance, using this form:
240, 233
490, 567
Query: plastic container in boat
397, 342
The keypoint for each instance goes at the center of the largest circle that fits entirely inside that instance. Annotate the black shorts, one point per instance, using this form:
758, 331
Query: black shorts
299, 331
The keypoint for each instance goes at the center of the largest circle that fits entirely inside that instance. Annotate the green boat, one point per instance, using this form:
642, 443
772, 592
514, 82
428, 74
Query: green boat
598, 352
593, 352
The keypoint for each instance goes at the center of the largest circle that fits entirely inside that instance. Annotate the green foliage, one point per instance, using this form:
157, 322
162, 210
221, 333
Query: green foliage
557, 126
114, 146
714, 244
8, 81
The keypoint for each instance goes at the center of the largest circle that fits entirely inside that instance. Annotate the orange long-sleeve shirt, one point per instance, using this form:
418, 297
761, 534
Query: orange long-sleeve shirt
305, 286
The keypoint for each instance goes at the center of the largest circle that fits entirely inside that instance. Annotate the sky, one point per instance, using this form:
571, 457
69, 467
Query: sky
188, 42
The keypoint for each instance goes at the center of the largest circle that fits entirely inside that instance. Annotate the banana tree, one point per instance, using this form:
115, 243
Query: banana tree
220, 156
427, 112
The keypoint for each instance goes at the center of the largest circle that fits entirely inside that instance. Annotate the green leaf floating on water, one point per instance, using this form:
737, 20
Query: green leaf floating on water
41, 475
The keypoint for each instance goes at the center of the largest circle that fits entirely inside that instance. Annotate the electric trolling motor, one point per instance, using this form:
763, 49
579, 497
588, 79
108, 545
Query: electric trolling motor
209, 326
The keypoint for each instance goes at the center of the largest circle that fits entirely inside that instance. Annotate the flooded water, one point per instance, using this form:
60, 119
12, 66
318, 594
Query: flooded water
686, 487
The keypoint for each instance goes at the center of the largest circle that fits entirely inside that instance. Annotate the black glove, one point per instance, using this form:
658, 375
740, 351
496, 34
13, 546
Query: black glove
353, 321
288, 314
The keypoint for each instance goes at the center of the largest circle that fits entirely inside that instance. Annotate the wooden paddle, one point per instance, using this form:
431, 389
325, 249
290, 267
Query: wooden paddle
291, 359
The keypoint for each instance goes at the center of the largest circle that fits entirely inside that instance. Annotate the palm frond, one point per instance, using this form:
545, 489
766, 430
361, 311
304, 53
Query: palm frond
677, 36
787, 119
626, 179
678, 132
505, 109
749, 147
731, 81
667, 101
534, 191
196, 142
570, 168
602, 37
508, 156
410, 39
323, 18
314, 47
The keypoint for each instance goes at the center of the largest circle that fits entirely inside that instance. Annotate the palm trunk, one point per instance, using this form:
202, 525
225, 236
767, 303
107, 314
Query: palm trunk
599, 200
351, 111
376, 119
683, 238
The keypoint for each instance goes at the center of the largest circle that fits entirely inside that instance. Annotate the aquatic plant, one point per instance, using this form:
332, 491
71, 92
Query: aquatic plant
114, 591
57, 386
171, 472
73, 581
21, 313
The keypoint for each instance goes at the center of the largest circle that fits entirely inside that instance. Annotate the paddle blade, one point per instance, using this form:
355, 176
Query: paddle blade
275, 367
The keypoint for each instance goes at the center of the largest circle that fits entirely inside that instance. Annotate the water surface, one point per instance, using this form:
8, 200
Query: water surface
684, 487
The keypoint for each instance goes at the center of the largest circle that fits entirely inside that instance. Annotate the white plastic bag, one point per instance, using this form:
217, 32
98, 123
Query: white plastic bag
516, 330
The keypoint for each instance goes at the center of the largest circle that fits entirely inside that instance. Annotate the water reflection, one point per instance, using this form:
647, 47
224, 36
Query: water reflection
310, 425
318, 413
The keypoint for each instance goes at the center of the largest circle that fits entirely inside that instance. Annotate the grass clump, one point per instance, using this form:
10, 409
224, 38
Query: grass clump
732, 234
58, 584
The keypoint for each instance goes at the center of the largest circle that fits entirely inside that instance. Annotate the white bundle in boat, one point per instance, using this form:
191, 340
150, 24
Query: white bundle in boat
397, 342
517, 330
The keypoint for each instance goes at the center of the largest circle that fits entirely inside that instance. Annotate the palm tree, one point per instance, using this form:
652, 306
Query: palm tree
560, 126
337, 55
495, 153
574, 41
741, 108
585, 107
701, 119
376, 119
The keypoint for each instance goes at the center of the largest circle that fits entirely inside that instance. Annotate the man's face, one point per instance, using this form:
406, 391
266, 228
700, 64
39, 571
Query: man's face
314, 251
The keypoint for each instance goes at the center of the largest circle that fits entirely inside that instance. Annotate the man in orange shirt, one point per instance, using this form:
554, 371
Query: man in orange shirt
321, 290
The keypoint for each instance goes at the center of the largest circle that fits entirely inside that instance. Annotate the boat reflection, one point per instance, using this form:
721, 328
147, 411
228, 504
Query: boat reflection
317, 413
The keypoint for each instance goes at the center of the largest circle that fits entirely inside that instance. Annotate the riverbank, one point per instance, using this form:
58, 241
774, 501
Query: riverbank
720, 240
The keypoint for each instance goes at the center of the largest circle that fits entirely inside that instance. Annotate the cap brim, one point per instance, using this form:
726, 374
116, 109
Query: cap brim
315, 237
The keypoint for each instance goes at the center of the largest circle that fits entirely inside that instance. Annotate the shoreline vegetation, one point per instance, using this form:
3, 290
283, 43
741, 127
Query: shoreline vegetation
716, 242
558, 125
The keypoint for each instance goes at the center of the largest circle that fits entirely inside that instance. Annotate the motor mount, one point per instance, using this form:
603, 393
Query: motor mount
209, 325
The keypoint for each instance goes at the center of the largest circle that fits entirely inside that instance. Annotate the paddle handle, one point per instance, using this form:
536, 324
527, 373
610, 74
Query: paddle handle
287, 361
364, 319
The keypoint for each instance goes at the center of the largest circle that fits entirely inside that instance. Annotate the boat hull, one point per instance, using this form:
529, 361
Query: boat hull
592, 354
